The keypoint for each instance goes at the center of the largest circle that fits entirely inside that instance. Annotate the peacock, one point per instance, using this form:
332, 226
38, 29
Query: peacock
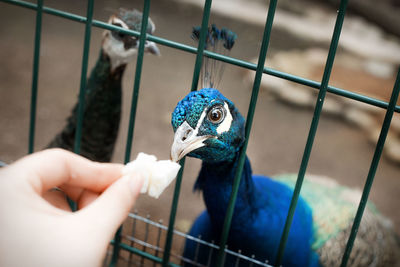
102, 108
209, 127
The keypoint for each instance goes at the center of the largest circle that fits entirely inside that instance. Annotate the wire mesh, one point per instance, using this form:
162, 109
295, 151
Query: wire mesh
142, 245
129, 242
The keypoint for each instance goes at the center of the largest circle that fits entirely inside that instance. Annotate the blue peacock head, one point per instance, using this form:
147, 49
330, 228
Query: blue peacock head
121, 47
208, 126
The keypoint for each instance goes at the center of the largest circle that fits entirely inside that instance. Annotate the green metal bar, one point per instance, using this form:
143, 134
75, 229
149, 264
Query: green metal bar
48, 10
143, 254
82, 90
85, 59
139, 252
372, 170
116, 247
195, 81
200, 48
35, 74
172, 215
249, 121
132, 118
313, 128
230, 60
138, 75
331, 89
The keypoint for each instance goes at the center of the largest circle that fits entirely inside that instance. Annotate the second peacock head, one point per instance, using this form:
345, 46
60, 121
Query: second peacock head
121, 47
207, 126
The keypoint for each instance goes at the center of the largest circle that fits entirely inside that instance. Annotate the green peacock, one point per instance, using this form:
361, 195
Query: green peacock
103, 98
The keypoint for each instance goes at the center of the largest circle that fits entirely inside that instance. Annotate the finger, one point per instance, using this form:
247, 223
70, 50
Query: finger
73, 192
80, 195
111, 208
57, 199
86, 198
53, 167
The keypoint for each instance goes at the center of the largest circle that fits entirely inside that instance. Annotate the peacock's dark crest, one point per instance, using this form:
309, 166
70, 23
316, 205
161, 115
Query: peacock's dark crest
218, 41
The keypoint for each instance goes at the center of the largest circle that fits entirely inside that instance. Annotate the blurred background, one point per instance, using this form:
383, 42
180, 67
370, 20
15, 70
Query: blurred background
366, 63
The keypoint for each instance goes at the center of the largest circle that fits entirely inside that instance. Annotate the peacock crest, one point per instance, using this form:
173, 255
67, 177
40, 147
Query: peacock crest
218, 41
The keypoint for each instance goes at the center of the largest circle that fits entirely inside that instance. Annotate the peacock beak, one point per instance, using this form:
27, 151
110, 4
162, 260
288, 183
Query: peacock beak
185, 141
152, 48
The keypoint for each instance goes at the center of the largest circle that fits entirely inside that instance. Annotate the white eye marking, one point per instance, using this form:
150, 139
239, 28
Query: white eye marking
200, 121
227, 122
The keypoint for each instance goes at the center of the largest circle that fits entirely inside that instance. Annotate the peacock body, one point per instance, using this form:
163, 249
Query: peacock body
323, 216
103, 95
208, 126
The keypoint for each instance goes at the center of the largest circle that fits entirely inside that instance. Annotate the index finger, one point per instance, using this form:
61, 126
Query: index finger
54, 167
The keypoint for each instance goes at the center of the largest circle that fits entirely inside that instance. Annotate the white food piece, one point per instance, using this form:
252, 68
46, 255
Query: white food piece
157, 174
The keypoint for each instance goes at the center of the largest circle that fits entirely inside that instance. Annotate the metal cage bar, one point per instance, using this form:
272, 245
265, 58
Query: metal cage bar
138, 74
249, 121
35, 75
201, 45
172, 215
313, 128
230, 60
135, 95
82, 90
195, 81
85, 59
372, 170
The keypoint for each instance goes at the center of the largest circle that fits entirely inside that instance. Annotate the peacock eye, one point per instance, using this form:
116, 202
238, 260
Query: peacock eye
216, 114
118, 35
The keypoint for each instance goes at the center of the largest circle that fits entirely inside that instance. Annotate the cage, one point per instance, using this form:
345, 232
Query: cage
145, 242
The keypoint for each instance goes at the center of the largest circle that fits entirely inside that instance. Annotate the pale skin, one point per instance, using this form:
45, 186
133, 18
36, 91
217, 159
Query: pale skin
38, 228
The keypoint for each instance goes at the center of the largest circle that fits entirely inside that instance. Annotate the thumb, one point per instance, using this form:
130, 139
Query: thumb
110, 209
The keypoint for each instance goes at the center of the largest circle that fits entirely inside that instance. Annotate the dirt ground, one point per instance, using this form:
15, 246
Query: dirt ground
279, 132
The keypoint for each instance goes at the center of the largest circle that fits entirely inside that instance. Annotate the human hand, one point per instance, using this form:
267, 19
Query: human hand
37, 226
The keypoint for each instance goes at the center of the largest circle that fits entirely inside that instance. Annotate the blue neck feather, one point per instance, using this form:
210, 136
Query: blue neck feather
216, 182
259, 214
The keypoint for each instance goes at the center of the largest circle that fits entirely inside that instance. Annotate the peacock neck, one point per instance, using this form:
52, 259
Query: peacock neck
216, 181
102, 109
102, 112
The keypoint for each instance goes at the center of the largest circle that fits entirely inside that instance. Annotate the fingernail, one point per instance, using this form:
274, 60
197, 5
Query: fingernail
135, 183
